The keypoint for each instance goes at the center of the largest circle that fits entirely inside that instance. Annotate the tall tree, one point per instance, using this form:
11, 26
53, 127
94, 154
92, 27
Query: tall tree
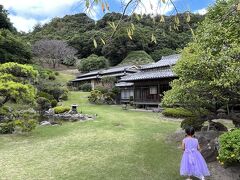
53, 52
209, 68
4, 20
13, 48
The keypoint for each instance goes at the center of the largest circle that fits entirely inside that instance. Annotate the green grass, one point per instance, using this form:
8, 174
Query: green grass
64, 77
119, 144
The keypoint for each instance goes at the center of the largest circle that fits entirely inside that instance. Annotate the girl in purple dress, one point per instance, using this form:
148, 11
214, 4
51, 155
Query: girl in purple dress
192, 164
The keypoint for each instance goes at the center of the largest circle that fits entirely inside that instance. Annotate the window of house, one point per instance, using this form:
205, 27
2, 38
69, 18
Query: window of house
153, 89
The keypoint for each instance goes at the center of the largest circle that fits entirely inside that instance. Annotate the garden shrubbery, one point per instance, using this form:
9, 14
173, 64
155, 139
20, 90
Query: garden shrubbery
229, 152
61, 109
177, 112
17, 126
194, 122
86, 87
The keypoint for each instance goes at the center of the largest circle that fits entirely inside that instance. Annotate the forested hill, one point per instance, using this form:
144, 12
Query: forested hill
79, 30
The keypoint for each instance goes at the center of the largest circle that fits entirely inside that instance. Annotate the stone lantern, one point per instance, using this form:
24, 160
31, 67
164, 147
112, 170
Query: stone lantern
74, 109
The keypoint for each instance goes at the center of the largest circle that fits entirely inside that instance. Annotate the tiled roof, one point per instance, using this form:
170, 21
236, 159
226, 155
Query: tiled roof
145, 75
124, 84
108, 71
115, 71
165, 61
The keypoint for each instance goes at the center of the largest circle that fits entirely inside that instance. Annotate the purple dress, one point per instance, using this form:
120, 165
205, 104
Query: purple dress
193, 164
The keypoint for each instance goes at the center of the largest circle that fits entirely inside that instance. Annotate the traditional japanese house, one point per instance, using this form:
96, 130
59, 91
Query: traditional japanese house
146, 87
94, 77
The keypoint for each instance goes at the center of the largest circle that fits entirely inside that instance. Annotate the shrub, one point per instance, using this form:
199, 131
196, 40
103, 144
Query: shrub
56, 73
229, 152
52, 77
17, 126
43, 104
64, 96
101, 88
6, 128
54, 103
4, 111
195, 122
24, 125
61, 109
177, 112
45, 95
95, 97
86, 87
92, 62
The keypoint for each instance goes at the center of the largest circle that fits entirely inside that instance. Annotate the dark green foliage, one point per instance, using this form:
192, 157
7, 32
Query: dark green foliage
13, 48
158, 53
45, 73
229, 152
63, 28
54, 103
4, 111
195, 122
209, 68
86, 87
61, 109
95, 97
45, 95
79, 31
4, 20
6, 127
91, 63
52, 88
137, 58
177, 112
43, 105
17, 126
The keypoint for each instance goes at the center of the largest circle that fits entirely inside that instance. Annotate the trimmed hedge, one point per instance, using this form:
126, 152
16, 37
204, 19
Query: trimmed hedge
177, 112
229, 152
61, 109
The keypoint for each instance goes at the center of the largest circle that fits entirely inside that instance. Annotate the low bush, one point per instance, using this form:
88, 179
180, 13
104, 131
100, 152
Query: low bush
52, 77
24, 125
229, 152
17, 126
54, 103
101, 88
4, 111
43, 104
195, 122
61, 109
86, 87
6, 127
177, 112
45, 95
95, 97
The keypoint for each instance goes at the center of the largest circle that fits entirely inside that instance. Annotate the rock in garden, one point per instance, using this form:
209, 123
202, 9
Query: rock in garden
45, 123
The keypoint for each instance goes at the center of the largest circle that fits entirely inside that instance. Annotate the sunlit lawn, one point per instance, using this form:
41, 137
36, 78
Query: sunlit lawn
119, 144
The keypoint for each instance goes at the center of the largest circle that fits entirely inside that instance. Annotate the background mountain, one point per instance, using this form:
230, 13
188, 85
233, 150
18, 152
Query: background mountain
79, 31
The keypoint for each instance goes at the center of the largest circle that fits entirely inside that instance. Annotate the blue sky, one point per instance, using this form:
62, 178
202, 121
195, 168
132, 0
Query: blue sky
24, 14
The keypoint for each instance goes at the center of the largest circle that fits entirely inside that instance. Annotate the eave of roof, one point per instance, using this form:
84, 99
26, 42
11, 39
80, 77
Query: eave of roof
124, 84
165, 61
145, 75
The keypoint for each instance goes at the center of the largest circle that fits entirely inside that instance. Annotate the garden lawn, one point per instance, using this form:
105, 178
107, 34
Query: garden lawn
119, 144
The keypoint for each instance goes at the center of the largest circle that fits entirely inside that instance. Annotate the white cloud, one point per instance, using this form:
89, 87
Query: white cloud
201, 11
26, 13
25, 24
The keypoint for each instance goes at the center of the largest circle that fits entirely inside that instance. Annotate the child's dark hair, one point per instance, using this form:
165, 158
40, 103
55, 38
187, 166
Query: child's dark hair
190, 131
